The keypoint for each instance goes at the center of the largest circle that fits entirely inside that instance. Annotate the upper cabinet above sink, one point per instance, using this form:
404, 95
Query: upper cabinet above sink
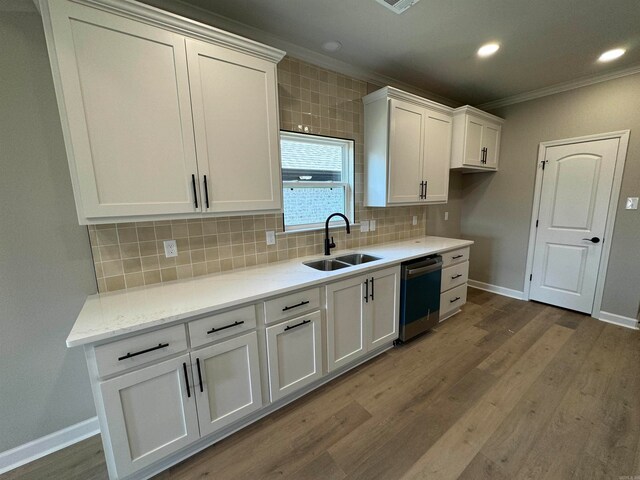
162, 117
407, 149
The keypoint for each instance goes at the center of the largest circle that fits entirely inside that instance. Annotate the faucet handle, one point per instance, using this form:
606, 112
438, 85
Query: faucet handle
332, 245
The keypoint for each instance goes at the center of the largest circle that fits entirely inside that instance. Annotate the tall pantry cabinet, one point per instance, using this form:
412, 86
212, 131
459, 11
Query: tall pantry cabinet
162, 116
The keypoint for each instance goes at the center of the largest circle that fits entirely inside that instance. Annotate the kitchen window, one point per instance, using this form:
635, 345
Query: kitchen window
317, 179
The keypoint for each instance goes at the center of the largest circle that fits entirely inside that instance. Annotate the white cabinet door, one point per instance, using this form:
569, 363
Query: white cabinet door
406, 142
294, 351
473, 142
123, 94
226, 382
346, 322
383, 308
491, 141
235, 114
437, 156
150, 414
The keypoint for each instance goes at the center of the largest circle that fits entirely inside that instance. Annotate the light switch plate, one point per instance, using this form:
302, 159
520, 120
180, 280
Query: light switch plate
632, 203
372, 225
364, 225
170, 248
271, 237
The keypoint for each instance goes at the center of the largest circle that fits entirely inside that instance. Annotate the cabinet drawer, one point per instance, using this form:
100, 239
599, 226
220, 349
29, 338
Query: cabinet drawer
215, 327
453, 299
128, 353
455, 256
454, 275
293, 304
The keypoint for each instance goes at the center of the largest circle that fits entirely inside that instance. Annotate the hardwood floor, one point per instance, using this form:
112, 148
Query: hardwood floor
505, 390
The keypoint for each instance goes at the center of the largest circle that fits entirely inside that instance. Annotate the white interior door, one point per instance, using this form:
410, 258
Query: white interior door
406, 144
576, 186
235, 115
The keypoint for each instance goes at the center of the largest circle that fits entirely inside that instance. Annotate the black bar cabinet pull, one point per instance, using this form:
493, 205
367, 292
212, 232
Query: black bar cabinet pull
421, 190
199, 374
454, 300
234, 324
372, 292
130, 355
206, 192
186, 379
195, 192
456, 256
291, 327
456, 276
304, 302
366, 290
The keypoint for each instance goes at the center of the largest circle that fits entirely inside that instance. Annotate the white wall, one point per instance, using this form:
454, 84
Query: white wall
45, 261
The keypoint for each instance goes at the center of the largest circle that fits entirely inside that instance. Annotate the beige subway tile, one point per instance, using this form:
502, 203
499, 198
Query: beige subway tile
259, 223
182, 244
129, 250
225, 252
152, 277
112, 268
164, 232
197, 256
213, 266
115, 283
184, 271
248, 237
133, 280
224, 239
235, 225
249, 248
250, 260
262, 258
165, 262
209, 226
107, 236
237, 250
195, 229
223, 226
238, 262
183, 258
169, 274
196, 242
236, 238
150, 263
211, 254
132, 265
102, 285
199, 269
106, 226
179, 230
146, 234
226, 264
109, 252
211, 241
148, 248
127, 235
261, 247
160, 223
98, 269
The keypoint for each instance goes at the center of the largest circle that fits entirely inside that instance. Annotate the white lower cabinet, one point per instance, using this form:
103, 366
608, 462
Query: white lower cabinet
150, 413
226, 382
294, 351
362, 314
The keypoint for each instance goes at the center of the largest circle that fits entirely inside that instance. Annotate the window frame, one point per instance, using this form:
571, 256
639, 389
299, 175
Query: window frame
348, 183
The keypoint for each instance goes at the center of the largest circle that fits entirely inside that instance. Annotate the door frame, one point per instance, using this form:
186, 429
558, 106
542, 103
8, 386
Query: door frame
623, 137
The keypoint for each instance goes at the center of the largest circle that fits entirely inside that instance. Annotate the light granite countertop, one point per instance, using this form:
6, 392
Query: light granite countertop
108, 315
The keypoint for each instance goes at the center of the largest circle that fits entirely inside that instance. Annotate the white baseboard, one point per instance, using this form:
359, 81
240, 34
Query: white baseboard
42, 446
506, 292
618, 320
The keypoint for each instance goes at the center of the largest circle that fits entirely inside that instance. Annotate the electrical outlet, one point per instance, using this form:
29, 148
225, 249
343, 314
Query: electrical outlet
446, 216
170, 248
372, 225
271, 237
415, 220
632, 203
364, 226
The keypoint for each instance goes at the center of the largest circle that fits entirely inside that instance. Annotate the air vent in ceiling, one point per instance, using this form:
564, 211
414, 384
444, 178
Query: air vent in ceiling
397, 6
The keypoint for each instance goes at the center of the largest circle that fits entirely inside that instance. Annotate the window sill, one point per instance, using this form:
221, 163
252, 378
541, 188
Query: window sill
315, 229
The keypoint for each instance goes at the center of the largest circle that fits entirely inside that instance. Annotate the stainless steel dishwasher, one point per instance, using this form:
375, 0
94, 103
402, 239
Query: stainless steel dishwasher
419, 296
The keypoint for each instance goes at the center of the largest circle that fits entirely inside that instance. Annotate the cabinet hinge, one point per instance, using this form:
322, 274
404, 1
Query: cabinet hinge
531, 277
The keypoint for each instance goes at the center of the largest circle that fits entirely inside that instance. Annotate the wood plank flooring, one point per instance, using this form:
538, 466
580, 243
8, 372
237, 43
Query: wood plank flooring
504, 390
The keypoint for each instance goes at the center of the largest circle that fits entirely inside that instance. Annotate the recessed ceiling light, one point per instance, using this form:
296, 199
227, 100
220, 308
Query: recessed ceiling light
488, 49
332, 46
612, 54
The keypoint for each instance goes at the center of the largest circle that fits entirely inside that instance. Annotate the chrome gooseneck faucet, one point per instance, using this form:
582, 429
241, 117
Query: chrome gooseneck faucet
329, 244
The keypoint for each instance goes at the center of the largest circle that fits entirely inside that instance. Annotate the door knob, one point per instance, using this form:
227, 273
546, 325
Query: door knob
593, 239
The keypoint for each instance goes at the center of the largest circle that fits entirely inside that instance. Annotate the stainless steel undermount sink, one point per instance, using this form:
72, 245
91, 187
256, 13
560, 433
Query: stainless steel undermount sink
357, 258
341, 262
327, 265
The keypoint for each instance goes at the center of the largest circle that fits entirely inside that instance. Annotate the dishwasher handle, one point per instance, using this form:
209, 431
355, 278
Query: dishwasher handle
422, 268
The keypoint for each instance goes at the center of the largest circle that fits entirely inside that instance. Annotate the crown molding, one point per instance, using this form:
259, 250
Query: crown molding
303, 53
559, 88
391, 92
26, 6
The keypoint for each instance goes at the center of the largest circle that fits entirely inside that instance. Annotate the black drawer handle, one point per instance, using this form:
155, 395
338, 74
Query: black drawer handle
131, 355
454, 300
234, 324
291, 327
457, 256
456, 276
199, 374
305, 302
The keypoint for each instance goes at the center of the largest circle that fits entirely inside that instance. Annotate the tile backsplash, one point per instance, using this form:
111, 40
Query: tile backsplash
313, 100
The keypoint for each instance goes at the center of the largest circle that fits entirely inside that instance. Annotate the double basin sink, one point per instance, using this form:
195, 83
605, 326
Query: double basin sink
343, 261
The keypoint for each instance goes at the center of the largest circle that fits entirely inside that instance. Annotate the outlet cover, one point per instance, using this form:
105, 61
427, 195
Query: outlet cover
372, 225
632, 203
415, 220
364, 225
271, 237
446, 216
170, 248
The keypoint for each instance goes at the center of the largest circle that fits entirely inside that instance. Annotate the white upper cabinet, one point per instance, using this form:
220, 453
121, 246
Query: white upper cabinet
407, 149
147, 112
235, 114
476, 140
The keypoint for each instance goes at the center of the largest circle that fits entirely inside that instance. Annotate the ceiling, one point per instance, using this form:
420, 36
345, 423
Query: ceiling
432, 46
